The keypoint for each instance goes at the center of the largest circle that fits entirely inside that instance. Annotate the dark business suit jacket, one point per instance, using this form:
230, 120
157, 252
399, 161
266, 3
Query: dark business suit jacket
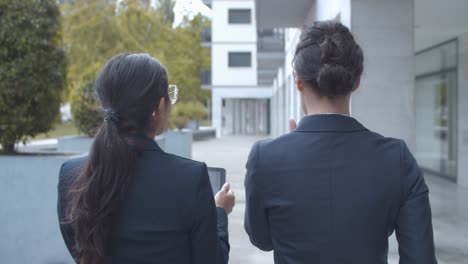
168, 216
332, 192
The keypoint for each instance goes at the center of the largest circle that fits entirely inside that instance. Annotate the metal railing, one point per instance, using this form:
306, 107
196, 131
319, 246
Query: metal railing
270, 40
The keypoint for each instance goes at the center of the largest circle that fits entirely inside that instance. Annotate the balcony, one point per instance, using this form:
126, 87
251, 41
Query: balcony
206, 79
270, 40
206, 37
270, 55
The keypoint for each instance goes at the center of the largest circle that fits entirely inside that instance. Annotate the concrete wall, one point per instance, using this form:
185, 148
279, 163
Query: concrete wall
232, 38
225, 32
387, 86
223, 75
463, 110
28, 211
74, 144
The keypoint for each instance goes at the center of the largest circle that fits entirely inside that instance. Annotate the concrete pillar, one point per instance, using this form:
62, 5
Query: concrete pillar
229, 117
283, 109
217, 112
385, 101
463, 110
237, 116
274, 115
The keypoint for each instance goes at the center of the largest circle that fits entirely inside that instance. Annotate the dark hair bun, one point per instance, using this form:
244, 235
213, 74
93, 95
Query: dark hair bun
328, 58
334, 80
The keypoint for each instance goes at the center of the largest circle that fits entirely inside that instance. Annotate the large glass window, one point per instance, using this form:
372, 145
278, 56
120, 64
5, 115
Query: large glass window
240, 16
240, 59
436, 109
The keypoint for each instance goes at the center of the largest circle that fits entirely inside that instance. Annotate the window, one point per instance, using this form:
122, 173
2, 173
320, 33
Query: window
240, 16
436, 109
240, 59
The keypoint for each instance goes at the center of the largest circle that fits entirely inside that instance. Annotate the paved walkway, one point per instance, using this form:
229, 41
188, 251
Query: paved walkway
449, 205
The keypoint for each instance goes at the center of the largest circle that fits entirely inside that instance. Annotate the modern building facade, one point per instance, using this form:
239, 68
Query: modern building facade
240, 103
415, 83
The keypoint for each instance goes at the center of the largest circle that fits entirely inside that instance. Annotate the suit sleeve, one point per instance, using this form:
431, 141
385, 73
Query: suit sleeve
414, 222
65, 228
256, 216
209, 236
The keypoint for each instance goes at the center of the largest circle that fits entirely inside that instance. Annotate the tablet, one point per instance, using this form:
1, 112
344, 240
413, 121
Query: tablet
217, 178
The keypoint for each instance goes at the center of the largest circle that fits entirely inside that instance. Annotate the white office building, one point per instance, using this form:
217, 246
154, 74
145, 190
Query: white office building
240, 92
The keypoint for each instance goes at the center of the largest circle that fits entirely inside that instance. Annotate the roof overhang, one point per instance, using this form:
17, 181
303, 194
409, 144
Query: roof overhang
281, 13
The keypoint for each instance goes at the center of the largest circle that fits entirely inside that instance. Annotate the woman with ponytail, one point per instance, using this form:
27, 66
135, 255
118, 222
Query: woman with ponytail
128, 201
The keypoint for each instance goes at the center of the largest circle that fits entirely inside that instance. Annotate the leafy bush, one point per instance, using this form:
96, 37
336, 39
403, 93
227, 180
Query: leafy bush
183, 112
32, 69
86, 111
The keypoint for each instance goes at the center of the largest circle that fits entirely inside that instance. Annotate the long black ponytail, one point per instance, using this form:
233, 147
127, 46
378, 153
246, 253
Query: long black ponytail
129, 88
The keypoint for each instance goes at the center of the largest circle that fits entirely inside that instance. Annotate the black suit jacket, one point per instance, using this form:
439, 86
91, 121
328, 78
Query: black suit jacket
332, 192
168, 216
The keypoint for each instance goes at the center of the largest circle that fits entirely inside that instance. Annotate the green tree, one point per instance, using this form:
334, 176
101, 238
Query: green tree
90, 36
186, 58
86, 111
96, 30
167, 9
32, 69
183, 112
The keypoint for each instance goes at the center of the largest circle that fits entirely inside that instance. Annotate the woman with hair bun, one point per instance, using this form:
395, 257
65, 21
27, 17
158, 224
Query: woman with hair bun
332, 191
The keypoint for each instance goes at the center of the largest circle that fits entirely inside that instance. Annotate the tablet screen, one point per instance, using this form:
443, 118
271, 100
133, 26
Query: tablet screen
217, 178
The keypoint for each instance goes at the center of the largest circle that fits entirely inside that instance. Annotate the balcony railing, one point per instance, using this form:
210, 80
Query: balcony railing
271, 40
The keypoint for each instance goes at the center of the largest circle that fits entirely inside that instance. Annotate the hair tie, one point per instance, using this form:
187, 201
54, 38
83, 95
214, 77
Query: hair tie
110, 115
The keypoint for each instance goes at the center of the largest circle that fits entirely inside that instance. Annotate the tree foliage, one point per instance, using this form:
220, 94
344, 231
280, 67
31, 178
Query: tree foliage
32, 69
96, 30
183, 112
167, 9
87, 113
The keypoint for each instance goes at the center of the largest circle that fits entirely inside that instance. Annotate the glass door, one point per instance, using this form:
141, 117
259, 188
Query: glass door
436, 149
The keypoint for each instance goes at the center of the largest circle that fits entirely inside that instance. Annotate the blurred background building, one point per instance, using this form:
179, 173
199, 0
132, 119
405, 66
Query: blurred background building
415, 84
240, 96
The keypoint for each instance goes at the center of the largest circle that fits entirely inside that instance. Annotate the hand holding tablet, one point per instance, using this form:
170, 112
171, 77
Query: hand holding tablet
224, 197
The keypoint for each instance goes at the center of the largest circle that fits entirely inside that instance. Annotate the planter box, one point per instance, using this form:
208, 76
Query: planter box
28, 214
204, 134
74, 144
179, 142
82, 144
194, 125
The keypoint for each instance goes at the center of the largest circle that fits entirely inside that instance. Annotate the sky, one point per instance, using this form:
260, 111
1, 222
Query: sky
189, 8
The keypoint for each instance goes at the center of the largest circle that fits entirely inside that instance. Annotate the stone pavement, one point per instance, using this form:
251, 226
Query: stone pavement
449, 206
